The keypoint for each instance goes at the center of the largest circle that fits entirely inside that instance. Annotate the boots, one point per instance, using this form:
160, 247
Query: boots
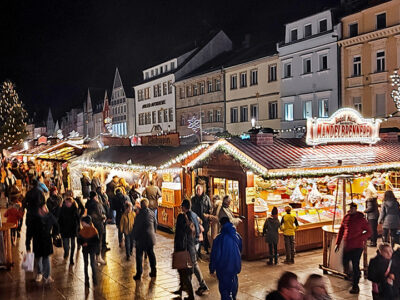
276, 259
100, 260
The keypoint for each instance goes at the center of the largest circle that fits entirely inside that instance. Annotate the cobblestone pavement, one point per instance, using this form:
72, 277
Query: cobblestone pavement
115, 279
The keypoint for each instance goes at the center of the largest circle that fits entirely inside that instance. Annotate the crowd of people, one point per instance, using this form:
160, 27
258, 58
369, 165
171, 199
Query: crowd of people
204, 227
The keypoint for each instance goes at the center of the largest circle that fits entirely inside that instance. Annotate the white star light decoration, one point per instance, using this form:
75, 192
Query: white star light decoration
194, 124
396, 92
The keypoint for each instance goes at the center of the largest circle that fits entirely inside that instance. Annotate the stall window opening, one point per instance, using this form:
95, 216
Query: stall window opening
223, 187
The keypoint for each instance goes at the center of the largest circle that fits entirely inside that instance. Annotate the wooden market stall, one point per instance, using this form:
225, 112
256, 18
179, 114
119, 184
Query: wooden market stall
140, 164
265, 171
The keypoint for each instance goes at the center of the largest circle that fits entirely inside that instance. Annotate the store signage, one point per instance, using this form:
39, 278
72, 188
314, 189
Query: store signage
345, 126
170, 139
42, 140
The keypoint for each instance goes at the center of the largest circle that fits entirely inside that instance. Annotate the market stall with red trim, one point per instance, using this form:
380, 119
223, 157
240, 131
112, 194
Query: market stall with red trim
266, 171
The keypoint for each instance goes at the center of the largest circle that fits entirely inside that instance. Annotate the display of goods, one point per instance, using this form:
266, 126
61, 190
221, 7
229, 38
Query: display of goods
314, 195
297, 196
260, 205
332, 185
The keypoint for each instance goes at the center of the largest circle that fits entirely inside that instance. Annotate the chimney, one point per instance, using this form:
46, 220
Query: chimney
262, 137
389, 135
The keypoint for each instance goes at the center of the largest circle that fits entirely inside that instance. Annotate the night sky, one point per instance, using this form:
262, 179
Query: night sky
54, 50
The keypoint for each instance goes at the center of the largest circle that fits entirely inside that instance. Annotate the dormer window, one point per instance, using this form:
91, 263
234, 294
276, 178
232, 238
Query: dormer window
307, 30
323, 25
381, 21
293, 35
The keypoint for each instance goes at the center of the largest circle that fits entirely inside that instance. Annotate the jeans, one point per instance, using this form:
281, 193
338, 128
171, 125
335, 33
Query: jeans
128, 244
43, 266
113, 215
373, 223
139, 260
185, 283
66, 244
289, 247
228, 285
92, 264
273, 252
385, 235
354, 256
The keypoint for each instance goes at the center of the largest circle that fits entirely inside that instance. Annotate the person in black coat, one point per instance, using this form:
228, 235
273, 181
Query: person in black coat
44, 226
69, 224
184, 241
110, 191
54, 202
119, 207
144, 233
103, 199
372, 212
86, 185
381, 271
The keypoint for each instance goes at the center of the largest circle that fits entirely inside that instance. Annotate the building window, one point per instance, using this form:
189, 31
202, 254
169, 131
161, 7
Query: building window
217, 84
357, 104
218, 116
287, 70
244, 113
172, 65
148, 118
233, 82
357, 66
169, 87
210, 116
164, 88
155, 90
154, 117
307, 109
288, 111
209, 86
141, 122
147, 93
202, 88
165, 115
381, 21
323, 62
234, 115
171, 114
146, 75
152, 73
307, 30
307, 65
156, 72
271, 73
243, 79
254, 111
195, 90
160, 116
353, 29
139, 95
293, 35
181, 93
188, 92
254, 77
380, 105
323, 25
273, 110
203, 117
323, 108
124, 108
380, 61
183, 121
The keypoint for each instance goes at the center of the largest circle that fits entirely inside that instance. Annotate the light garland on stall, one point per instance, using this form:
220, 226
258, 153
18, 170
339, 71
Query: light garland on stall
231, 150
332, 171
183, 156
107, 165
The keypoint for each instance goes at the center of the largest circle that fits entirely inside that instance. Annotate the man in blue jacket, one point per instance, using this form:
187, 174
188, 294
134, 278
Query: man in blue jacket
226, 260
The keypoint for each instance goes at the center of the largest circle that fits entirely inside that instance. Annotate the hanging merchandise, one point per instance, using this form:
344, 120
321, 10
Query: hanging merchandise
314, 195
297, 196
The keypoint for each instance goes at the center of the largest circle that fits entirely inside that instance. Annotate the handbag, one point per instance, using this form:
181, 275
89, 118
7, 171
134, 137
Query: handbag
181, 260
57, 242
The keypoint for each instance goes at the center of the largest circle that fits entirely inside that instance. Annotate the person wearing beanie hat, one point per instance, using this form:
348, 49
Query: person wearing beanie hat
270, 231
88, 238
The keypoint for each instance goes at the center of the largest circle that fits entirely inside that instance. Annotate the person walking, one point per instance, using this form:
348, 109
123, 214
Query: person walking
125, 188
225, 211
144, 233
289, 288
193, 218
110, 191
54, 202
372, 212
126, 227
152, 193
44, 226
184, 240
270, 231
69, 224
225, 259
88, 238
95, 211
354, 232
289, 225
381, 273
315, 288
214, 220
96, 183
201, 206
103, 199
119, 207
14, 215
390, 218
86, 185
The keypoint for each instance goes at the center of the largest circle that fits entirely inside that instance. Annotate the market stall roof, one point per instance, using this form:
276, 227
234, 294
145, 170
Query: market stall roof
62, 151
293, 157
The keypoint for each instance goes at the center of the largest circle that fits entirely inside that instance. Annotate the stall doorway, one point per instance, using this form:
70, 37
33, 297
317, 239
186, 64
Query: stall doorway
223, 186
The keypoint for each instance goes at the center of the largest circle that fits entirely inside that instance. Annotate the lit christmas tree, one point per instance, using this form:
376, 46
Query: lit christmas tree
12, 117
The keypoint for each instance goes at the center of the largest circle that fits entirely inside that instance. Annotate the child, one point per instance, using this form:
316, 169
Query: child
89, 239
270, 231
126, 227
289, 225
14, 215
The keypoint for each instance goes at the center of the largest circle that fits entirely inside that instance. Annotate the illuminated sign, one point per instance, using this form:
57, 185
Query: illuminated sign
345, 126
42, 140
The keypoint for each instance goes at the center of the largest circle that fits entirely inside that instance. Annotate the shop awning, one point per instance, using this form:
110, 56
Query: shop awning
63, 151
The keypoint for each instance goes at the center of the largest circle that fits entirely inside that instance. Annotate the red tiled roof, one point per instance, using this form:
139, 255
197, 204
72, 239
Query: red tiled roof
295, 153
